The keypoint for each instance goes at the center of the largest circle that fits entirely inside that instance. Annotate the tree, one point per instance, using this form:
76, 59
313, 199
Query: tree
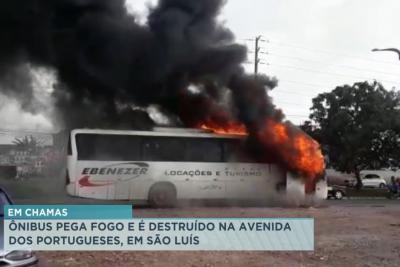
358, 125
28, 142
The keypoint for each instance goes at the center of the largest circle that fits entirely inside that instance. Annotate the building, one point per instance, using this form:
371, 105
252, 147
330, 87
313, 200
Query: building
29, 162
7, 154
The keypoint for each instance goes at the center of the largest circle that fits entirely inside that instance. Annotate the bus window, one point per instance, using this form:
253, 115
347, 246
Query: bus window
163, 149
108, 147
234, 151
203, 150
231, 150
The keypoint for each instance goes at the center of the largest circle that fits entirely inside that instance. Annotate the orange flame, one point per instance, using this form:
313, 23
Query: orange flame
230, 128
299, 152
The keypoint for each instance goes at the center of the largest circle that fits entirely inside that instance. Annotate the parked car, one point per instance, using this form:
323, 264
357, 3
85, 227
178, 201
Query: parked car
339, 178
386, 174
336, 192
16, 258
373, 180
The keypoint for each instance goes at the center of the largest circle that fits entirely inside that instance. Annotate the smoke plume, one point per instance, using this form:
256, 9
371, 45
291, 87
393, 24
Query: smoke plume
107, 64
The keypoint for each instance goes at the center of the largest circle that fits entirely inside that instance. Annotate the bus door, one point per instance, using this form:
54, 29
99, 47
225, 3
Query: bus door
236, 170
209, 183
106, 163
203, 158
167, 155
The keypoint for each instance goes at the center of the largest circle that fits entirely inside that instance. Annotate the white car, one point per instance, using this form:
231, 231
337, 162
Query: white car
373, 180
16, 258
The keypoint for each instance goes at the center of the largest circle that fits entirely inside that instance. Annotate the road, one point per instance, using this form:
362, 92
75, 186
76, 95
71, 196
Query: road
347, 233
355, 232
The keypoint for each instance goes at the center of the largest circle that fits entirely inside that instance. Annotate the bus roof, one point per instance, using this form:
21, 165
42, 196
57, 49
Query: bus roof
160, 131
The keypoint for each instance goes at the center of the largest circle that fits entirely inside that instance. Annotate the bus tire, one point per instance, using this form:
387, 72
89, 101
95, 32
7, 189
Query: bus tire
162, 195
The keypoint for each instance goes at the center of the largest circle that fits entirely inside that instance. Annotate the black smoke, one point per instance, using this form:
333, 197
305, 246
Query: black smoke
106, 62
109, 67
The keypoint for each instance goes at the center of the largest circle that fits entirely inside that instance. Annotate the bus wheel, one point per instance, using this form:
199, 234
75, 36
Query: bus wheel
162, 195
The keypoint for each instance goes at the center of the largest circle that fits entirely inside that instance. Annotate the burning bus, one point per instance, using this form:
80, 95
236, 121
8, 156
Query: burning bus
170, 164
106, 65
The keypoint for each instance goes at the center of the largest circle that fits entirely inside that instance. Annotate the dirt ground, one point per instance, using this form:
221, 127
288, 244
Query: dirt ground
345, 235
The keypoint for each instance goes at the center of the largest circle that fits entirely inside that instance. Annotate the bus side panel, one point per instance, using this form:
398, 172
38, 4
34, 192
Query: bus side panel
133, 180
194, 180
157, 172
321, 190
90, 185
71, 177
191, 180
295, 190
247, 181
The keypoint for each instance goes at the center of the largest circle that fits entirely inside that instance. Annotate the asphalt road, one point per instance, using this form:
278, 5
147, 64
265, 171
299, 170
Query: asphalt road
64, 199
349, 232
363, 233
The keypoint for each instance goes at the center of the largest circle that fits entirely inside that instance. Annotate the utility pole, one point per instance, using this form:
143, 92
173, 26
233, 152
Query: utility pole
256, 52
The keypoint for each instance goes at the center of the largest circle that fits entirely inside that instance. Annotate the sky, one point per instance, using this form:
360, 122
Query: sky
313, 46
310, 46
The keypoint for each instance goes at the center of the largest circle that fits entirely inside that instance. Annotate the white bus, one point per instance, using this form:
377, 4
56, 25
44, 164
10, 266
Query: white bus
170, 164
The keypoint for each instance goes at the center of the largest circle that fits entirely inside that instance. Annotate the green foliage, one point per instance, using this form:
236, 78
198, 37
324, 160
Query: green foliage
358, 125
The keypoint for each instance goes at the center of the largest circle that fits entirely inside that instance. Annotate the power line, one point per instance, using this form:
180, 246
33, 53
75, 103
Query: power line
288, 103
297, 116
296, 82
324, 63
312, 85
290, 92
330, 52
303, 83
329, 73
